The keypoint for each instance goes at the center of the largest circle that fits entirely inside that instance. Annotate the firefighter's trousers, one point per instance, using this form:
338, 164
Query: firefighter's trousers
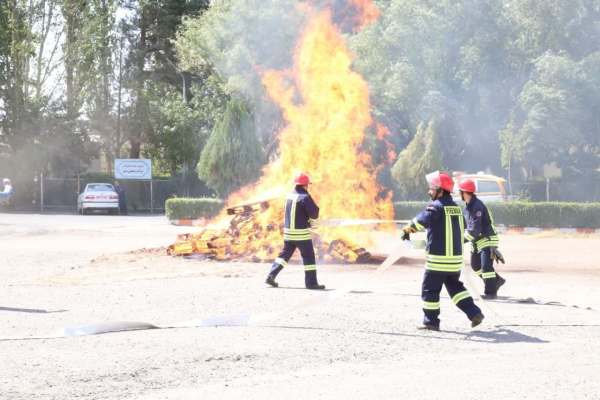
483, 265
307, 252
430, 294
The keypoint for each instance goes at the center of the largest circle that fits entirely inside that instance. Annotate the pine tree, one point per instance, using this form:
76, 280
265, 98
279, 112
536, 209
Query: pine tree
421, 156
233, 155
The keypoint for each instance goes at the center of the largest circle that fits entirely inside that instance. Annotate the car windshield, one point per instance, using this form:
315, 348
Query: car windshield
100, 188
488, 187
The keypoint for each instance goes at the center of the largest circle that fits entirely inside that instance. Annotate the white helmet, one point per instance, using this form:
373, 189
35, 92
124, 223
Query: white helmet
5, 180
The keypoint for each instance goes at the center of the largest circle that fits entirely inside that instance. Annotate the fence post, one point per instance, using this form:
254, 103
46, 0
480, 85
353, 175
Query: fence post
42, 192
151, 198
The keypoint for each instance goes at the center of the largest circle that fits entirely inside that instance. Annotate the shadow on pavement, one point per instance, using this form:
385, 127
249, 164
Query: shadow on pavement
31, 310
531, 300
501, 335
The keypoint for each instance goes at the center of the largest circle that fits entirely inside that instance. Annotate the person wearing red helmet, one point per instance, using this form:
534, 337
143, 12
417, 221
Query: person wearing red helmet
299, 209
480, 231
444, 223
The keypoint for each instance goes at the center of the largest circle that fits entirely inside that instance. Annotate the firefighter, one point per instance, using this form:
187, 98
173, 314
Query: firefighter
444, 223
299, 209
484, 240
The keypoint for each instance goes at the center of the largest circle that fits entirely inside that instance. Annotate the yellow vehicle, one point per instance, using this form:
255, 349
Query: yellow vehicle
489, 187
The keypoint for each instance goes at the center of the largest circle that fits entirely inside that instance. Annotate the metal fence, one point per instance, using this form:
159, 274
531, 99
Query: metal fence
148, 196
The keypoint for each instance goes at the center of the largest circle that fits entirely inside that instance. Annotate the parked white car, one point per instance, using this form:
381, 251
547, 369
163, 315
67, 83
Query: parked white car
489, 187
98, 197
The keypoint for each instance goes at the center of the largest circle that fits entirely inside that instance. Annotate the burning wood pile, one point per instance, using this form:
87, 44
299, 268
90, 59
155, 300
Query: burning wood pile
252, 236
326, 114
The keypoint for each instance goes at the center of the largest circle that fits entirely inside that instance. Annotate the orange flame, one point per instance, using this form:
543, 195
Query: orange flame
367, 12
327, 111
382, 134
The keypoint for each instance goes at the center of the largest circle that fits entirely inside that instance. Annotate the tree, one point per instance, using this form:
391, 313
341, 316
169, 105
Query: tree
419, 158
180, 129
550, 114
151, 32
233, 155
235, 40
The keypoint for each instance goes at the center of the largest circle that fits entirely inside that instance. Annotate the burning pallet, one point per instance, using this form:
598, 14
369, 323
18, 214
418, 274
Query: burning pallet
252, 236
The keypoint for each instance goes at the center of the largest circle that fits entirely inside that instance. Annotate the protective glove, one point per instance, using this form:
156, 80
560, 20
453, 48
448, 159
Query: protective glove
407, 231
496, 255
314, 223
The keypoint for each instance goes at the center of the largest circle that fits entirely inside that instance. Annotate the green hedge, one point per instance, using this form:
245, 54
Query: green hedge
192, 208
522, 213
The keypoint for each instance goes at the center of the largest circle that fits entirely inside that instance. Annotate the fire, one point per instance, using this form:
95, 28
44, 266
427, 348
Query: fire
382, 134
367, 12
326, 110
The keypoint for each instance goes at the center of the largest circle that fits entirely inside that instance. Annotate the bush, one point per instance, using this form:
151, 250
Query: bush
192, 208
408, 209
522, 213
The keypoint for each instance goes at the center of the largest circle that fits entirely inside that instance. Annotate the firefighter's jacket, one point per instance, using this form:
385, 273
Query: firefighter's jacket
480, 225
444, 222
300, 208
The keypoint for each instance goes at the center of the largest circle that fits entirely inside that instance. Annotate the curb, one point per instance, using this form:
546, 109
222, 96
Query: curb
527, 230
188, 222
530, 230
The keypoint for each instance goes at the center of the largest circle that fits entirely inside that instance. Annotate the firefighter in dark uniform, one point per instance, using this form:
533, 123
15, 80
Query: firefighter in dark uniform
483, 237
444, 222
300, 208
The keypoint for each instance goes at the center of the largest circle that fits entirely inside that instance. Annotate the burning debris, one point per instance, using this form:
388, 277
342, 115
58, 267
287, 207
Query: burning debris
326, 110
248, 238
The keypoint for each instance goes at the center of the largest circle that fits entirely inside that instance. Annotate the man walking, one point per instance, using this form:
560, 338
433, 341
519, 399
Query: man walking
299, 209
444, 223
484, 240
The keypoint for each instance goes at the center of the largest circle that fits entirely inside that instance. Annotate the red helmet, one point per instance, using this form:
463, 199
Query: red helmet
302, 179
467, 186
437, 180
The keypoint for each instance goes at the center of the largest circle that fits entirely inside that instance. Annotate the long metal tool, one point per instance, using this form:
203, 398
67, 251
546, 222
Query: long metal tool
334, 222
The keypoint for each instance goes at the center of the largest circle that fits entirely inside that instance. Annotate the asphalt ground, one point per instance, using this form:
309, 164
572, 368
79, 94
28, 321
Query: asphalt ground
358, 340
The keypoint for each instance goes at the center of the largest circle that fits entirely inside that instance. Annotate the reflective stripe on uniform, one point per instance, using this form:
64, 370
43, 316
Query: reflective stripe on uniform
310, 267
443, 267
488, 275
449, 212
468, 236
294, 199
280, 261
296, 234
444, 259
431, 305
478, 272
417, 225
444, 263
491, 241
457, 298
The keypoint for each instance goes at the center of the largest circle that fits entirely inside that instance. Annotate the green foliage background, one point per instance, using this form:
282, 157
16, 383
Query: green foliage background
233, 156
192, 208
523, 214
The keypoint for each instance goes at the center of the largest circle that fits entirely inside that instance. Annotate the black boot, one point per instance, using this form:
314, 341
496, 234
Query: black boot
476, 320
310, 280
429, 327
275, 269
499, 282
491, 288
